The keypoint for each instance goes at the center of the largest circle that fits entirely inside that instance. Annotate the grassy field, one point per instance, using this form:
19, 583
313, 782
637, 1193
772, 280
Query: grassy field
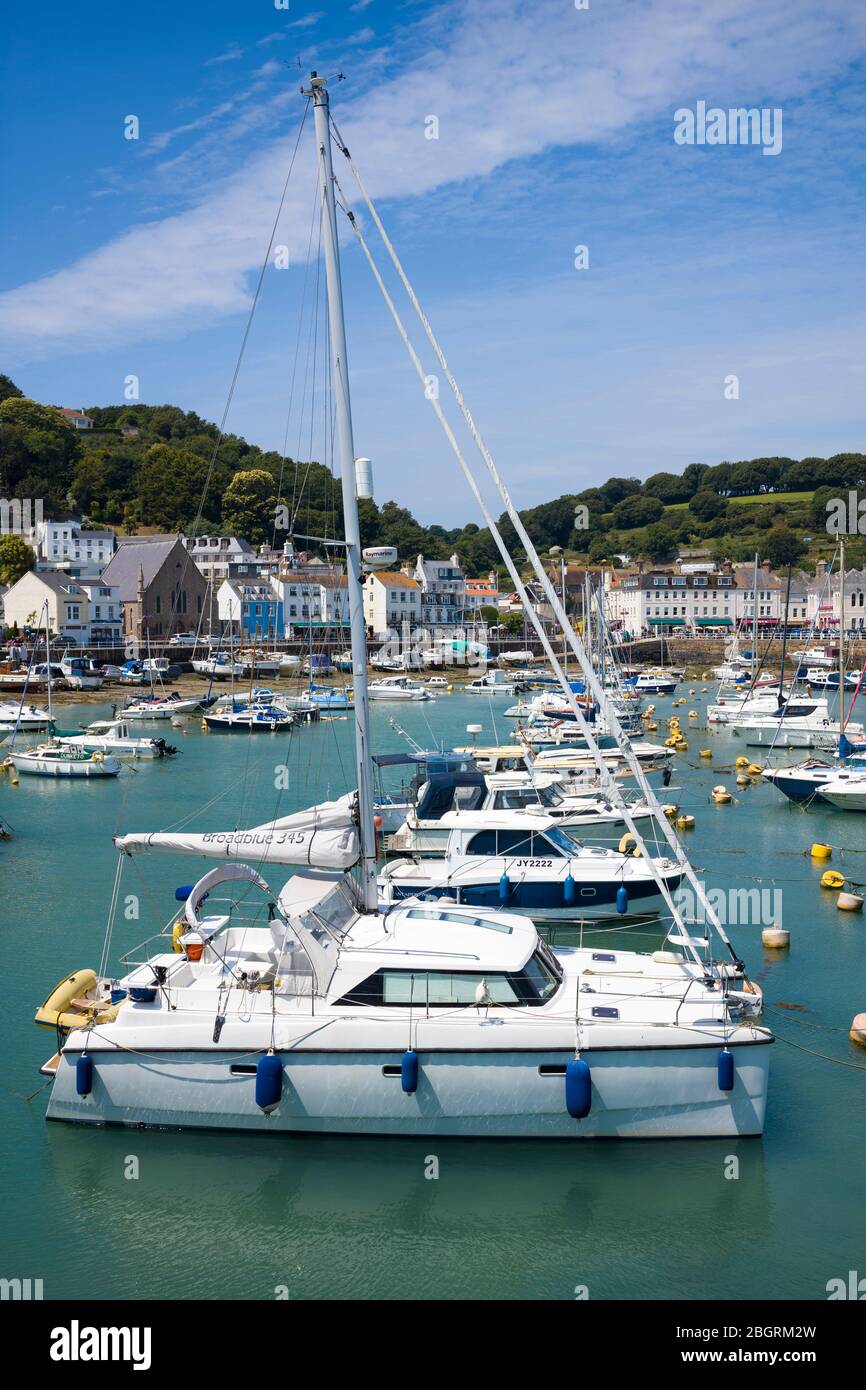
756, 500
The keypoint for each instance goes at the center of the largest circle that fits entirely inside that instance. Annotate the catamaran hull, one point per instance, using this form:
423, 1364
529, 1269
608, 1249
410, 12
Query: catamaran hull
637, 1093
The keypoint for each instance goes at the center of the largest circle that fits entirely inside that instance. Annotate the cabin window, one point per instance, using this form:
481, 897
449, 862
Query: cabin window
532, 986
517, 842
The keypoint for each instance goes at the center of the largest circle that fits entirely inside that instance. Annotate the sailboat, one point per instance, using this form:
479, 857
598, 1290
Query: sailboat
56, 758
324, 1010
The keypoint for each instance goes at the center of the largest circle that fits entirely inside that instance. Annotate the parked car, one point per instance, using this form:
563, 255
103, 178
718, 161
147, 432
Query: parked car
183, 639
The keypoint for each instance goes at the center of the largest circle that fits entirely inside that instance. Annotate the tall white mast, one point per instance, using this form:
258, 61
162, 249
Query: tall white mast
319, 93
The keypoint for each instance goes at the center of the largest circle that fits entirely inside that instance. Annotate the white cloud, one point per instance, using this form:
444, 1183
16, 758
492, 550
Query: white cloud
307, 21
505, 82
230, 56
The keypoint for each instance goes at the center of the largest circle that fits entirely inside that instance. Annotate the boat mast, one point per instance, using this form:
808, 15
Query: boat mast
319, 93
841, 638
755, 625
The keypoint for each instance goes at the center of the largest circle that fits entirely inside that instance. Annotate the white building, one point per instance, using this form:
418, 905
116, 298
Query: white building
665, 601
105, 612
68, 605
314, 597
66, 545
393, 603
443, 591
214, 554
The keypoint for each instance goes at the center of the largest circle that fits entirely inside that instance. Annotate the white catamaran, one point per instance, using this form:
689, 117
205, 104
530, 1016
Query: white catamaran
329, 1011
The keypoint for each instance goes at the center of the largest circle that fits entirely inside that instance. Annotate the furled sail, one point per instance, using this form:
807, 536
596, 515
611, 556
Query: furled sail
323, 837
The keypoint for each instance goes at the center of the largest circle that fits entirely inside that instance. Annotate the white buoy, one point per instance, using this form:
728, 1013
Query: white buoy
776, 937
858, 1030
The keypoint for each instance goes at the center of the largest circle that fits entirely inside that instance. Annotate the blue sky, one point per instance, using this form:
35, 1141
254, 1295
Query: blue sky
556, 129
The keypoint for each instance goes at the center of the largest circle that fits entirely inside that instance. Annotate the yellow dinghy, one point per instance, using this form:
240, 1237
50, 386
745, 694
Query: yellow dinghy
76, 1002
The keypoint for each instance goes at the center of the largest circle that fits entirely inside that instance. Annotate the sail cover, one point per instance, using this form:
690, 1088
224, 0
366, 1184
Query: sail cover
323, 837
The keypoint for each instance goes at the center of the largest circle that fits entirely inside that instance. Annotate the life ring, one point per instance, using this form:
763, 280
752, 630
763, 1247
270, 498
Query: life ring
627, 843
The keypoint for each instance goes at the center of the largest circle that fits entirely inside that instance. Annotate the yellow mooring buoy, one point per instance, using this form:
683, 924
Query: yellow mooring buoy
832, 879
819, 851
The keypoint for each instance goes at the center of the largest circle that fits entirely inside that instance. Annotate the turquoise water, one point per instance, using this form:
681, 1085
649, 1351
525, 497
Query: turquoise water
239, 1217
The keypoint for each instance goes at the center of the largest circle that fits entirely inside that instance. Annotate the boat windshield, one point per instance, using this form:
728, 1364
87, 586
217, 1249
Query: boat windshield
563, 842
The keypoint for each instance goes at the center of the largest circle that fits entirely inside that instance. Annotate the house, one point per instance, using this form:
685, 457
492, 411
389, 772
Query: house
76, 418
312, 595
393, 603
161, 590
106, 612
214, 555
252, 610
443, 591
663, 600
65, 544
68, 605
481, 593
770, 598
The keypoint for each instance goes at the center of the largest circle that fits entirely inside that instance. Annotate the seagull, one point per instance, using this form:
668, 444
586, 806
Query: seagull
483, 996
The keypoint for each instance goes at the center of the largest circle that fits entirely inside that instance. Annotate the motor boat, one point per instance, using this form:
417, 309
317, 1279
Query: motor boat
527, 863
494, 683
219, 667
27, 718
329, 699
654, 683
397, 688
794, 730
115, 736
845, 790
260, 663
161, 706
813, 656
80, 673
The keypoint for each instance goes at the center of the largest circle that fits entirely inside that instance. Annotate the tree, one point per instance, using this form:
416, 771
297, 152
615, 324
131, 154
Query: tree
668, 487
16, 558
249, 505
8, 388
694, 475
615, 489
782, 547
489, 614
661, 541
637, 511
38, 449
171, 485
707, 505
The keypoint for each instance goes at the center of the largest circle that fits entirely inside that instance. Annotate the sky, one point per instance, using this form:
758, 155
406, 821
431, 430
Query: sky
555, 125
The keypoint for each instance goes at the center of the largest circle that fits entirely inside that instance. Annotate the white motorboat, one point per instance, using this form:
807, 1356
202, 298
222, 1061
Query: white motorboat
81, 673
397, 688
260, 663
161, 706
322, 1009
289, 662
27, 718
115, 736
219, 667
734, 709
844, 790
494, 683
526, 863
437, 683
654, 683
814, 730
813, 656
63, 760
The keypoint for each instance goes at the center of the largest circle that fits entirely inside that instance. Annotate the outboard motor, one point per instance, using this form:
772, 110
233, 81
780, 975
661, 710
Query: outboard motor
164, 750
